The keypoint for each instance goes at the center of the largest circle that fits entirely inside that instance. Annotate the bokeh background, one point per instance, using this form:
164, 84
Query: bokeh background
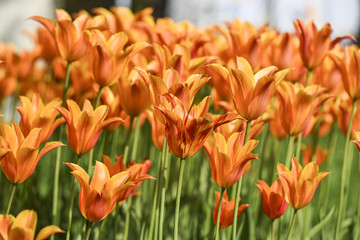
343, 15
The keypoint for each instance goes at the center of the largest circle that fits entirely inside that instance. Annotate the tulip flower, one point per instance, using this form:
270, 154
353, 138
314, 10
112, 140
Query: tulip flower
229, 158
186, 131
300, 183
69, 35
251, 93
83, 127
24, 227
109, 58
273, 199
37, 115
314, 43
138, 173
298, 104
349, 68
157, 129
227, 210
20, 155
134, 94
97, 200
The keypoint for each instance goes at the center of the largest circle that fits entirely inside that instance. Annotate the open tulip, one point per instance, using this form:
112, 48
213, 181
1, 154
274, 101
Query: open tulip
20, 155
251, 92
69, 35
138, 173
300, 183
229, 158
186, 131
314, 44
273, 199
227, 210
84, 127
37, 115
298, 105
97, 200
24, 227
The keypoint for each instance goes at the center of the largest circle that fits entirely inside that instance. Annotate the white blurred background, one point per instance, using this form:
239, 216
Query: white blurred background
343, 15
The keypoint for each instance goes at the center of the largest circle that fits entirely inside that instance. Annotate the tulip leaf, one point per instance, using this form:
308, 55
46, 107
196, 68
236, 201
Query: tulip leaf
321, 224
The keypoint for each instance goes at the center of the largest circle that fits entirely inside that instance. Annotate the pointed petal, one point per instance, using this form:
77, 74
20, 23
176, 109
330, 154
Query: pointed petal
48, 231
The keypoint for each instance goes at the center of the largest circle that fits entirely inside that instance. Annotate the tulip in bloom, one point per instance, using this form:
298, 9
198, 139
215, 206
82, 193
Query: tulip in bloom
138, 173
251, 92
349, 68
229, 158
69, 35
20, 155
227, 210
24, 227
314, 44
97, 200
300, 183
109, 58
273, 199
298, 105
187, 130
84, 127
37, 115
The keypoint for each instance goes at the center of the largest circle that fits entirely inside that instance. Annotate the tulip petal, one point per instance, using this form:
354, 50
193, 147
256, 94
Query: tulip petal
48, 231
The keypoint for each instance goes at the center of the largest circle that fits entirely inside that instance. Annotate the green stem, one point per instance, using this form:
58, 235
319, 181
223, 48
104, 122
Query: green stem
98, 96
163, 184
127, 218
238, 186
72, 198
178, 196
90, 163
55, 210
114, 143
88, 230
216, 231
344, 176
291, 224
11, 197
298, 146
237, 196
272, 229
136, 140
289, 151
102, 228
155, 206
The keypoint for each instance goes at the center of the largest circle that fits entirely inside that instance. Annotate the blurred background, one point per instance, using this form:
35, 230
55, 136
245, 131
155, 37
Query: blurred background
343, 15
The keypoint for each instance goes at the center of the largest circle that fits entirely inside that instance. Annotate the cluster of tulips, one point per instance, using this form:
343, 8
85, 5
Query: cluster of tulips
144, 96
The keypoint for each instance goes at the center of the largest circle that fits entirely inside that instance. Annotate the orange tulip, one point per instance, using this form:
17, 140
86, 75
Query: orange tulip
19, 155
320, 154
349, 68
229, 158
314, 44
84, 127
298, 105
134, 94
300, 184
273, 199
109, 58
37, 115
97, 200
227, 210
24, 227
138, 173
251, 93
69, 35
187, 130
